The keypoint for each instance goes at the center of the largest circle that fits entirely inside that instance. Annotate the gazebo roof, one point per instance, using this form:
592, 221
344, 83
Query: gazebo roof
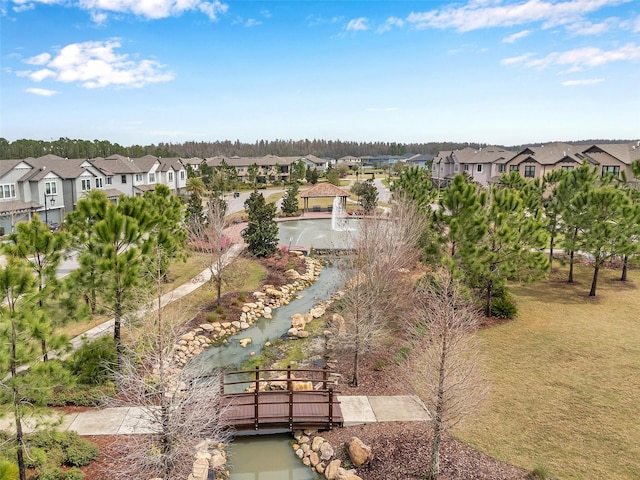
325, 190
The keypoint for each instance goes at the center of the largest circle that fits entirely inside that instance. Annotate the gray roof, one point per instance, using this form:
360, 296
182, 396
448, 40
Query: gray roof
550, 154
65, 168
626, 153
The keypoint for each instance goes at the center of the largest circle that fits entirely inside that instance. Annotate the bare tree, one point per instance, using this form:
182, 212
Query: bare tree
377, 280
445, 368
181, 406
208, 240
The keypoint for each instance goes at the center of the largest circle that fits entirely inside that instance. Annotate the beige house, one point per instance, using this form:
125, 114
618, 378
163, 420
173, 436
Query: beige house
482, 164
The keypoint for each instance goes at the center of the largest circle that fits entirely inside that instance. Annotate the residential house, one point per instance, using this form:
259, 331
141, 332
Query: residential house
172, 173
535, 162
481, 164
423, 160
613, 158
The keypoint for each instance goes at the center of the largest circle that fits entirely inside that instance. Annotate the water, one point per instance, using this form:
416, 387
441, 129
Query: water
317, 233
231, 355
339, 221
267, 457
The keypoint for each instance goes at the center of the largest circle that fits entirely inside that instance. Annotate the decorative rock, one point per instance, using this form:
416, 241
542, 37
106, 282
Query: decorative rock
244, 325
332, 469
347, 475
359, 453
302, 334
207, 327
326, 451
317, 442
244, 342
314, 459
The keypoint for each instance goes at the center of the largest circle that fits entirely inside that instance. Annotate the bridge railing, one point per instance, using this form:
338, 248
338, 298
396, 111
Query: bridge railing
260, 405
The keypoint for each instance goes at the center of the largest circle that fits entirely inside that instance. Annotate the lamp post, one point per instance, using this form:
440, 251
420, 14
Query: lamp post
46, 211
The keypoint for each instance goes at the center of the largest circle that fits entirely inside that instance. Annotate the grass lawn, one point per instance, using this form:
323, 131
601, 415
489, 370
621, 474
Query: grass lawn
565, 380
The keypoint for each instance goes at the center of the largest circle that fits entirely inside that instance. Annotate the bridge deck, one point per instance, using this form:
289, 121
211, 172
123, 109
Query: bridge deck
282, 409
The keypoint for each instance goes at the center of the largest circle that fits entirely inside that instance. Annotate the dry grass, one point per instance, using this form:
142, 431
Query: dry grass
565, 380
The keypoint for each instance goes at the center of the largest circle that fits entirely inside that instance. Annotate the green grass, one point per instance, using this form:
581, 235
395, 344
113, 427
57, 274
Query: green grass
565, 380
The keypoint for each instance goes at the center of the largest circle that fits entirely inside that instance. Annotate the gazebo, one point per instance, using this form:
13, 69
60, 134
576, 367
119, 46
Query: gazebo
324, 190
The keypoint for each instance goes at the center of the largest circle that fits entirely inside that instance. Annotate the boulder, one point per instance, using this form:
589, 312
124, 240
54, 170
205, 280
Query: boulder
332, 469
359, 453
343, 474
272, 292
317, 442
326, 451
299, 386
244, 342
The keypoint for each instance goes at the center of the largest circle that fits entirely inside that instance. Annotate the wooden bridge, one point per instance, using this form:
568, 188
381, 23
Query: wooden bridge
287, 400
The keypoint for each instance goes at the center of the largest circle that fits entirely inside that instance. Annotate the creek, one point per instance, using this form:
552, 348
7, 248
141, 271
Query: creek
268, 457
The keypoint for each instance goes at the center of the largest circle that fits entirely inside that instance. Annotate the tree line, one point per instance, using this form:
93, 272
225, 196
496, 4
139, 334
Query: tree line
77, 148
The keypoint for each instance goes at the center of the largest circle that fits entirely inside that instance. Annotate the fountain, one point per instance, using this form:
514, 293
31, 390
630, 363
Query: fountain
338, 216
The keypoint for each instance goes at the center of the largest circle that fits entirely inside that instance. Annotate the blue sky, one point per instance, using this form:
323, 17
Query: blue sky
148, 71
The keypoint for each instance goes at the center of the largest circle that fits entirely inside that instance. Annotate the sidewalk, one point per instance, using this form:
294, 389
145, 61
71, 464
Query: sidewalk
356, 410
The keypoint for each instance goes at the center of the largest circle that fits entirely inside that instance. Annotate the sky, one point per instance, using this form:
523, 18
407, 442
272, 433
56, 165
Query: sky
142, 72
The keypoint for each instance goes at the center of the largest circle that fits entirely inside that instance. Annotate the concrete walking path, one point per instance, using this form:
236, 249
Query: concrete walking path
356, 410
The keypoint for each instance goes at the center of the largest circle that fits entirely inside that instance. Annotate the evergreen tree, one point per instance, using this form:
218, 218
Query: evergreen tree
42, 250
261, 233
290, 203
367, 195
415, 183
605, 231
513, 246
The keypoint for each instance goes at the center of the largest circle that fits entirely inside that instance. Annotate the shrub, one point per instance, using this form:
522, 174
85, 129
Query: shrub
74, 474
92, 362
379, 365
8, 470
36, 457
402, 354
540, 472
49, 473
504, 307
81, 452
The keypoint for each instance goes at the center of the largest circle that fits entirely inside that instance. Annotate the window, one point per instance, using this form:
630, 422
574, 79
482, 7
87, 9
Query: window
500, 168
123, 179
514, 168
466, 168
567, 167
85, 184
479, 168
152, 178
181, 174
50, 188
8, 190
170, 176
98, 182
138, 177
109, 180
529, 171
611, 169
456, 168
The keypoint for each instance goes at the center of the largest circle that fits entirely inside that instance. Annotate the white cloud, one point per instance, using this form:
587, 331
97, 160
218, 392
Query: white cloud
579, 58
586, 28
151, 9
515, 60
97, 65
516, 36
357, 25
41, 59
483, 14
99, 18
43, 92
252, 22
586, 81
389, 24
